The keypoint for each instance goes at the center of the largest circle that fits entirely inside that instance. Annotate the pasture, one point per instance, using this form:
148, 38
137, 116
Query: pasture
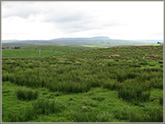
33, 51
118, 84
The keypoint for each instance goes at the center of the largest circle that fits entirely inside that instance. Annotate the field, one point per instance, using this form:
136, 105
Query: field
118, 84
46, 51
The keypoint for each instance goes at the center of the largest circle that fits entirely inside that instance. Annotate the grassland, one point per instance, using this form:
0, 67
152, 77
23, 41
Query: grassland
46, 51
84, 86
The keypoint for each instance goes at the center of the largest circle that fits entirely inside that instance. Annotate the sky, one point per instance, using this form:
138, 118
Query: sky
55, 19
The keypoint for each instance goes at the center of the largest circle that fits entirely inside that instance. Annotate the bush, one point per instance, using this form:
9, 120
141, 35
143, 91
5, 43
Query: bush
27, 94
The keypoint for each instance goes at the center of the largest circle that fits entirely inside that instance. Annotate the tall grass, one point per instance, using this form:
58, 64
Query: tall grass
62, 74
154, 114
27, 94
41, 106
130, 75
161, 100
92, 116
133, 91
45, 106
122, 113
111, 84
151, 114
157, 82
122, 76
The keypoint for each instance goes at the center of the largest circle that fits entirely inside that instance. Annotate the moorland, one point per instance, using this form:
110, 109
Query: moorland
82, 84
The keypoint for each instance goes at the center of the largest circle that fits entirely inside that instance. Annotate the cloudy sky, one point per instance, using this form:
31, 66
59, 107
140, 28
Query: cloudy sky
55, 19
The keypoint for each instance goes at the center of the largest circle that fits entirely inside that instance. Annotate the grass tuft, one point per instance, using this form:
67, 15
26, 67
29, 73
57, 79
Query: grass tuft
27, 94
134, 92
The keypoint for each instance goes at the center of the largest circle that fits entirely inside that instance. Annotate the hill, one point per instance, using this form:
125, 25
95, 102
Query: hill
98, 42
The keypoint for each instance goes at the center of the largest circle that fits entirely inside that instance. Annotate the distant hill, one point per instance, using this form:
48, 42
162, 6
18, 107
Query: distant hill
98, 41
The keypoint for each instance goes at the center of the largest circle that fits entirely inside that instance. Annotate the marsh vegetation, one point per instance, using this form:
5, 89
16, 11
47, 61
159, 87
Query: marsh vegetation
88, 85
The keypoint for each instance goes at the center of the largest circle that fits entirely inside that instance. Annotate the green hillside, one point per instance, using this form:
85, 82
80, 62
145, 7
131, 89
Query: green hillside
45, 51
118, 84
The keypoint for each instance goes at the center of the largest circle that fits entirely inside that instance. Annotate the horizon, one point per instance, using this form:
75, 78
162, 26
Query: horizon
77, 37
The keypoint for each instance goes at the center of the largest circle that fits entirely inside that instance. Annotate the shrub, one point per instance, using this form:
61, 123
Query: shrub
27, 94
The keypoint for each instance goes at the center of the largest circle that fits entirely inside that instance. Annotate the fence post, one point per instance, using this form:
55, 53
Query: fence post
39, 53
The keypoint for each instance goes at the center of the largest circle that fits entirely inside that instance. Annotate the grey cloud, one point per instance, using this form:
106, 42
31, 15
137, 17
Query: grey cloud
74, 22
63, 17
24, 14
67, 20
78, 27
19, 9
51, 13
112, 24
